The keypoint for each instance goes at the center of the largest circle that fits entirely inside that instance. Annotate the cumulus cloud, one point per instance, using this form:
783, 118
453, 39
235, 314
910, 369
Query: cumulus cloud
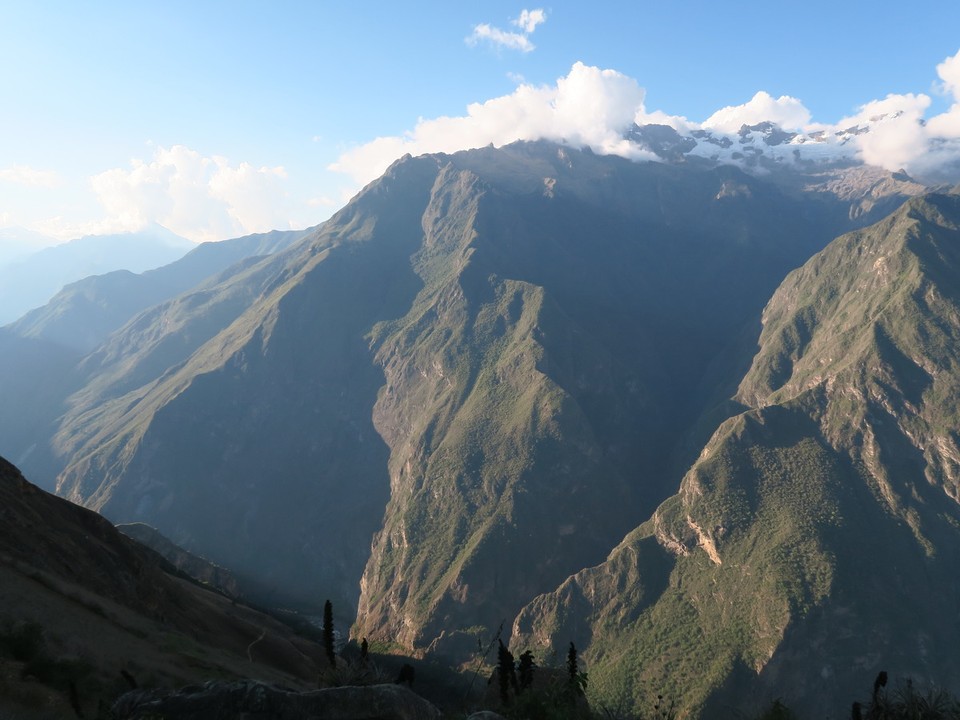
199, 197
947, 125
949, 73
785, 111
900, 136
588, 107
23, 175
896, 136
527, 21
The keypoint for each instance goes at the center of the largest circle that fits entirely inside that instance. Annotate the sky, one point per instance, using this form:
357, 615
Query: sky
217, 119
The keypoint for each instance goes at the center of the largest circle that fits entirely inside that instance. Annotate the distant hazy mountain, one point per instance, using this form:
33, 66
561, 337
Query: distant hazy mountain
816, 539
40, 354
17, 242
82, 314
32, 280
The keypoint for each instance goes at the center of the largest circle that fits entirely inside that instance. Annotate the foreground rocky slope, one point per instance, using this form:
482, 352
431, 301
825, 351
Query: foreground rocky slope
815, 540
82, 605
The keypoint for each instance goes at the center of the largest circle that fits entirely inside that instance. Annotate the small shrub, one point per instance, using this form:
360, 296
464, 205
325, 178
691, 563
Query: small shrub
907, 703
352, 672
777, 711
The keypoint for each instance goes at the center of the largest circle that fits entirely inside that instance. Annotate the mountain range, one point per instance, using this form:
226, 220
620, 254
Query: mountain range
444, 406
816, 535
31, 280
18, 242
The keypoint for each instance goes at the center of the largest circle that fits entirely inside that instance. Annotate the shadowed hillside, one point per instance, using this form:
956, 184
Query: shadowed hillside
814, 542
83, 605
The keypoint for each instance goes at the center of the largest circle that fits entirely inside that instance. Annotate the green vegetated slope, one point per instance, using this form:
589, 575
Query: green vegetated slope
257, 447
543, 370
537, 393
466, 386
59, 360
815, 540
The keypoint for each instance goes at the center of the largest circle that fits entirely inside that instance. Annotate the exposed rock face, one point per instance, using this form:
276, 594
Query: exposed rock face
257, 701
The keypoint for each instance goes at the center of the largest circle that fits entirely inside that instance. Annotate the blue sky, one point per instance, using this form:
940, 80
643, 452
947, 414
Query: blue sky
219, 118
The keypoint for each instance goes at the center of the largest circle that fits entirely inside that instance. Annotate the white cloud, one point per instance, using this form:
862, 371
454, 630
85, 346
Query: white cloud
947, 125
529, 19
589, 107
896, 135
500, 38
949, 72
658, 117
787, 112
23, 175
199, 197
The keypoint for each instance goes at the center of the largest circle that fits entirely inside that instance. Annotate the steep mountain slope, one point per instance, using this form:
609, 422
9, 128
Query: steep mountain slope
35, 378
79, 603
40, 362
31, 281
277, 469
816, 539
469, 364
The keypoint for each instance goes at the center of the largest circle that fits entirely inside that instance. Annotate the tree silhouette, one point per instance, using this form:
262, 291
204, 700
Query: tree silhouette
507, 672
328, 633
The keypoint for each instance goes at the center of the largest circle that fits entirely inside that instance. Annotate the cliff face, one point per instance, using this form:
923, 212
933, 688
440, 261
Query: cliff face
814, 541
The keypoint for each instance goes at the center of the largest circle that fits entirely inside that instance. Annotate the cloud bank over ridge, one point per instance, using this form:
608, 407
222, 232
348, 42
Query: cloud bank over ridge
199, 197
592, 107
